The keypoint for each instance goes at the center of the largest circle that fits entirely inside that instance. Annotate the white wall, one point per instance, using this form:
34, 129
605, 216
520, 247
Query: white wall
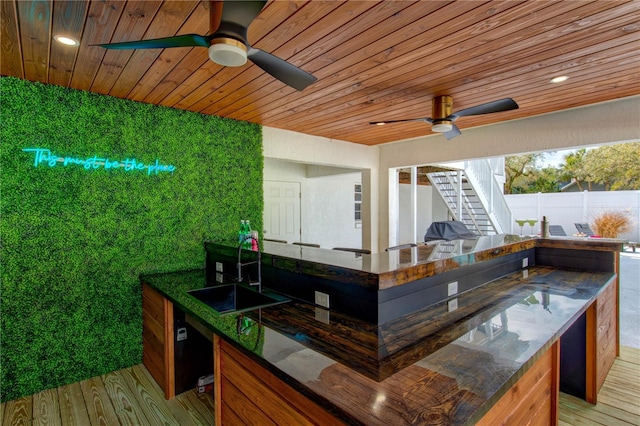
424, 215
566, 209
326, 204
334, 226
430, 208
306, 149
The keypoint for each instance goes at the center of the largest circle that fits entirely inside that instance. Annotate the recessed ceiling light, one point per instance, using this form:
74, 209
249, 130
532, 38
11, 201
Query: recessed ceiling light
68, 41
559, 79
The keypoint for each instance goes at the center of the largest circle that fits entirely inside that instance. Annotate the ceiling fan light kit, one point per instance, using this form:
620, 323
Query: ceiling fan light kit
442, 126
228, 52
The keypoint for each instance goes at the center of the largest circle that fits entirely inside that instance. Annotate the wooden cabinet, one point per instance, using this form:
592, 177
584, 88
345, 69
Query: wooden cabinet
157, 339
602, 344
533, 400
246, 393
600, 329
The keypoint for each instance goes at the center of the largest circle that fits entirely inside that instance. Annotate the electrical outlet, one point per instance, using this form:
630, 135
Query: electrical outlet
219, 277
181, 334
452, 305
525, 262
452, 288
321, 315
322, 299
219, 267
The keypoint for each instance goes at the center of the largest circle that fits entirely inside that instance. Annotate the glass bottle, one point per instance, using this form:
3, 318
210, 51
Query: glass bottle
247, 235
241, 232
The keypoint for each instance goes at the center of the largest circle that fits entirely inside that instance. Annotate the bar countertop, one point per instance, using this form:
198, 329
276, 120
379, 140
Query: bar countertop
388, 269
447, 364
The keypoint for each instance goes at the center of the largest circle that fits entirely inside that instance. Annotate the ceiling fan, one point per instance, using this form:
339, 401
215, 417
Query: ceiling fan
227, 42
443, 118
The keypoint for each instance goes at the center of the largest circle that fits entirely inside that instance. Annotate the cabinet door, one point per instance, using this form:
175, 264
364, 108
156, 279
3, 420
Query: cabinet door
602, 339
247, 393
533, 399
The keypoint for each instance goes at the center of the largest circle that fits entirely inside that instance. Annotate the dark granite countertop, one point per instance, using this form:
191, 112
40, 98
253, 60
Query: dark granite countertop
388, 269
582, 243
448, 363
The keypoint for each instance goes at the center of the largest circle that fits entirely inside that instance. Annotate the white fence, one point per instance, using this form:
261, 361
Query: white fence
568, 208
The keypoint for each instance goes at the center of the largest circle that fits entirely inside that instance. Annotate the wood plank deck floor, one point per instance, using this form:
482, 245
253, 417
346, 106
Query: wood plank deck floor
131, 397
124, 397
618, 400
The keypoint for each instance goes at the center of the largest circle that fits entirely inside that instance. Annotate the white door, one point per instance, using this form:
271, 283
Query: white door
282, 211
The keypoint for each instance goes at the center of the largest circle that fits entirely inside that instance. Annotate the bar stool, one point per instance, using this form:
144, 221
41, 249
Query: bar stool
307, 244
353, 250
401, 246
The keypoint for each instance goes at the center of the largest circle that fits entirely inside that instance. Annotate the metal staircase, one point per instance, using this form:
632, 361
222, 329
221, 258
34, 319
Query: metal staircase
474, 198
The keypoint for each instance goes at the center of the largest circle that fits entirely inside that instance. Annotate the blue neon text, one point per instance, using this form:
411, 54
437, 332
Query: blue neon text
43, 155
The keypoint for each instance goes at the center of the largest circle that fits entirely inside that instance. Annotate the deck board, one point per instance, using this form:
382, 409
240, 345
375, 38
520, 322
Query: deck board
46, 408
97, 402
130, 396
73, 411
149, 397
18, 412
124, 402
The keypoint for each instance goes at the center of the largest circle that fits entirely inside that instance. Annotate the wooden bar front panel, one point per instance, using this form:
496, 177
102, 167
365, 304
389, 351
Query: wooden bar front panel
533, 400
249, 394
157, 339
602, 340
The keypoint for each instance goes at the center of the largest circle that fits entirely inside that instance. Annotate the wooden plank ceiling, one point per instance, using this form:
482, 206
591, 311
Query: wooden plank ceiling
374, 60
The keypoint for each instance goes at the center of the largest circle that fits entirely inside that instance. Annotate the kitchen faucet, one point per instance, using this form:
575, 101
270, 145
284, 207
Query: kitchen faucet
240, 264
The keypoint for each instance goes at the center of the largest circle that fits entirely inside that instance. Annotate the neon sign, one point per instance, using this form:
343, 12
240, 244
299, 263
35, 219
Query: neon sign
43, 155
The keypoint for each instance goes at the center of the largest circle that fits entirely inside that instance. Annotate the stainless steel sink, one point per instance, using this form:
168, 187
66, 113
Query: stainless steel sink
234, 298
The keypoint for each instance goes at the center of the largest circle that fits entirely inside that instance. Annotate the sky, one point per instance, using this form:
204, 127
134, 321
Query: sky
555, 158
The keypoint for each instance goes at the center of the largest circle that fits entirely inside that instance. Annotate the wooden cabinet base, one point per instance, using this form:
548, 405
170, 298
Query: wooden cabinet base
246, 393
602, 340
157, 339
533, 400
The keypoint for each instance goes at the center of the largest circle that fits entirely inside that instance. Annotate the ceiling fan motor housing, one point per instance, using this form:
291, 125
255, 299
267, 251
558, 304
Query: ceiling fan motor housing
441, 109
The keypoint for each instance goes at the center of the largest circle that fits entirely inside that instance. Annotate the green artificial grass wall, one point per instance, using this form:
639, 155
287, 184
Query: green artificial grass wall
76, 236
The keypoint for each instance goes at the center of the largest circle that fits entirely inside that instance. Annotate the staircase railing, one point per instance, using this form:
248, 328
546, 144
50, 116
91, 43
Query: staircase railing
449, 186
481, 177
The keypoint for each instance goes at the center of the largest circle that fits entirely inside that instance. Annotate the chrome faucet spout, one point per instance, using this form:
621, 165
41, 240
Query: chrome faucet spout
259, 262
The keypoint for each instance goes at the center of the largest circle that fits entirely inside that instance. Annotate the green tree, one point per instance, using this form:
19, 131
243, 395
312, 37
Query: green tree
617, 167
573, 168
545, 180
519, 170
